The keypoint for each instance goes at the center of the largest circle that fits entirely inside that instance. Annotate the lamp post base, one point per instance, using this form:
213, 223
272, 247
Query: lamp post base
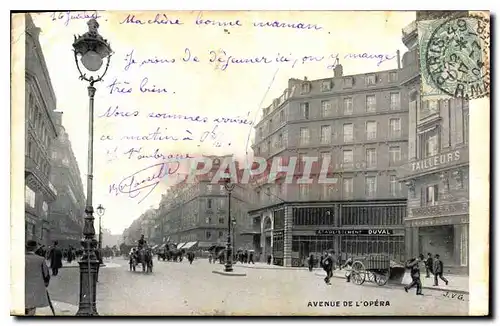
88, 287
228, 267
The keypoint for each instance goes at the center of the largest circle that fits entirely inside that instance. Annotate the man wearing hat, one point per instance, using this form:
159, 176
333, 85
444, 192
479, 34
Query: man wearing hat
36, 280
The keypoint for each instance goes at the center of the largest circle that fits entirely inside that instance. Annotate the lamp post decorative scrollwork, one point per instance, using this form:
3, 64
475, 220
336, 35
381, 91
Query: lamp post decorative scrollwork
90, 49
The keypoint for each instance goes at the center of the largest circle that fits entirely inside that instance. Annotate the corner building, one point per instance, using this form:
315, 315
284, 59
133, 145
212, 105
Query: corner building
195, 215
437, 172
358, 122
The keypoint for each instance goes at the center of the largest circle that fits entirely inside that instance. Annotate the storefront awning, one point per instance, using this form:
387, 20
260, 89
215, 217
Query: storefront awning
180, 245
204, 244
189, 245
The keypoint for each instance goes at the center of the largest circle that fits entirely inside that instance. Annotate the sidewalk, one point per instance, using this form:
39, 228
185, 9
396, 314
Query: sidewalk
457, 283
61, 309
74, 264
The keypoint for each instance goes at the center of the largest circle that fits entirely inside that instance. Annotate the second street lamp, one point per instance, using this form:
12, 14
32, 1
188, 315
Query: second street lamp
89, 50
100, 212
228, 267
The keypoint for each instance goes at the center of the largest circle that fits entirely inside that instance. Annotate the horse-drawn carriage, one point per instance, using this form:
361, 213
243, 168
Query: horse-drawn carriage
143, 256
374, 268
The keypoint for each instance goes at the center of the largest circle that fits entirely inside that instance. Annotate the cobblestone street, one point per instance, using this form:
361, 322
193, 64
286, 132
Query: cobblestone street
183, 289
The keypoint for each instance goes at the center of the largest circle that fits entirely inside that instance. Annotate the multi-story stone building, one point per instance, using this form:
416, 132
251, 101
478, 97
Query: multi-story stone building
437, 172
196, 214
359, 123
67, 212
40, 132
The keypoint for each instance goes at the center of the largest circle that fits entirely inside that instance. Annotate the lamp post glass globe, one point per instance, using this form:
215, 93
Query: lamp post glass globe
92, 61
100, 210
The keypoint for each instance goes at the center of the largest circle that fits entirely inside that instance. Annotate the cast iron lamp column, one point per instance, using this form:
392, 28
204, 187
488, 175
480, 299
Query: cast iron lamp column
90, 48
228, 267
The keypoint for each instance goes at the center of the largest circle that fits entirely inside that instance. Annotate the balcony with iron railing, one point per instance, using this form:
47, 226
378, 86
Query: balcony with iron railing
35, 176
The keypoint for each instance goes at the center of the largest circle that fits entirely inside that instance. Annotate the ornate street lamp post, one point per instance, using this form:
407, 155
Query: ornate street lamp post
100, 212
90, 49
228, 267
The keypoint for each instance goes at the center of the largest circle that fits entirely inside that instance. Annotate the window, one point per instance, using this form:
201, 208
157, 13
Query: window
210, 188
304, 191
221, 220
370, 80
394, 186
65, 161
264, 147
393, 76
347, 156
371, 130
394, 155
304, 136
348, 186
431, 143
285, 138
430, 106
394, 128
282, 116
430, 195
29, 149
348, 106
222, 203
328, 191
304, 109
279, 142
221, 234
326, 85
326, 134
269, 145
371, 157
306, 88
370, 186
209, 203
257, 150
326, 109
325, 156
348, 82
29, 196
348, 132
270, 125
371, 103
208, 235
260, 132
395, 101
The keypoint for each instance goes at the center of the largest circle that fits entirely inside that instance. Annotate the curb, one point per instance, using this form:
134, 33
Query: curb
229, 273
395, 286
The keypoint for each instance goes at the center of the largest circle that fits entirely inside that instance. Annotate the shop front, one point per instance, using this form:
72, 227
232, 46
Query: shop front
446, 233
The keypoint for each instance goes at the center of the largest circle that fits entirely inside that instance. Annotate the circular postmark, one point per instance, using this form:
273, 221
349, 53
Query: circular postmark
456, 57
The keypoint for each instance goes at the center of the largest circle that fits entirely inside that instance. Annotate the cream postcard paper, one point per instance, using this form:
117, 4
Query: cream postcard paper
374, 110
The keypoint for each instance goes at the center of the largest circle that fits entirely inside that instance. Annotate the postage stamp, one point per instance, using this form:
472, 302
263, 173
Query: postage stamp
454, 57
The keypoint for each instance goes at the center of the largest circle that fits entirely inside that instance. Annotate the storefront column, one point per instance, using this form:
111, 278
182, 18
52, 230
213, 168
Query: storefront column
408, 242
415, 242
287, 237
457, 236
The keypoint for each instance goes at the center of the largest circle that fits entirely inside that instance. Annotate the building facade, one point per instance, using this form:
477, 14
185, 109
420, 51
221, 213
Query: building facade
359, 124
196, 214
67, 212
437, 172
40, 132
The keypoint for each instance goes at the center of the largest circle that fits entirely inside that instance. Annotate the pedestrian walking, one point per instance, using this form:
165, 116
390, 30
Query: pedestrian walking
55, 257
328, 267
269, 258
414, 267
429, 265
310, 262
348, 267
438, 271
250, 258
37, 278
210, 258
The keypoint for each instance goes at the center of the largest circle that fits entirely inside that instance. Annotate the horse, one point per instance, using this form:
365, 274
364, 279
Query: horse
145, 257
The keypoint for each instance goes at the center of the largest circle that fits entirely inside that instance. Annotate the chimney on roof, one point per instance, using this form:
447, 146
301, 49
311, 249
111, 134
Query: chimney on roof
398, 57
338, 71
305, 78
